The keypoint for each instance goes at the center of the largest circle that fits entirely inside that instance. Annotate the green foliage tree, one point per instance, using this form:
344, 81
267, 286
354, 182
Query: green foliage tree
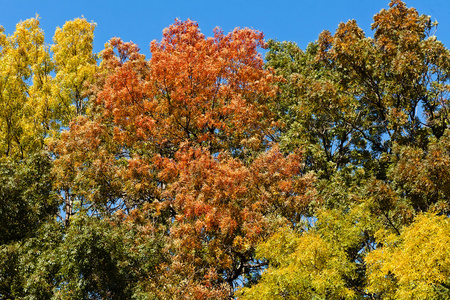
28, 211
353, 104
27, 197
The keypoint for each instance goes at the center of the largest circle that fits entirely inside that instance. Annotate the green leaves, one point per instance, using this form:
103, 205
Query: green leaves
27, 197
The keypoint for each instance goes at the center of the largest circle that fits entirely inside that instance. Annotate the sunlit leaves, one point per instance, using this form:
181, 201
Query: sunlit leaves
200, 171
314, 263
75, 65
414, 265
24, 58
34, 102
211, 91
224, 208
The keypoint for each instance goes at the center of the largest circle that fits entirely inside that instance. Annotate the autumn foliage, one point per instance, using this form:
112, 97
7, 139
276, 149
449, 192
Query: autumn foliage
207, 172
212, 92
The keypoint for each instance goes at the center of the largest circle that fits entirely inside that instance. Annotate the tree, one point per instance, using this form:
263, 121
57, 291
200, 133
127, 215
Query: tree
109, 258
414, 264
28, 209
27, 197
210, 91
176, 132
24, 118
96, 258
215, 97
75, 66
222, 209
367, 91
353, 104
34, 104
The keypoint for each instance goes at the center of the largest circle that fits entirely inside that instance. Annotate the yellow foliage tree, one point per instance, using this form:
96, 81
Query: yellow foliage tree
24, 80
75, 66
414, 264
317, 263
34, 103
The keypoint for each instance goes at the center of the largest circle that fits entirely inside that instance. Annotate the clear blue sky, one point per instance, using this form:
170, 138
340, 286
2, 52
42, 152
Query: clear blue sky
143, 21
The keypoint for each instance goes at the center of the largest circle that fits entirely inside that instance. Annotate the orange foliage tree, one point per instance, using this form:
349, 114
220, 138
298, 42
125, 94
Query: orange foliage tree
212, 92
188, 132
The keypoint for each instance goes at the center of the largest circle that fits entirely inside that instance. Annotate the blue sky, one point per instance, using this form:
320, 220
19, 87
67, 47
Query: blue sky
143, 21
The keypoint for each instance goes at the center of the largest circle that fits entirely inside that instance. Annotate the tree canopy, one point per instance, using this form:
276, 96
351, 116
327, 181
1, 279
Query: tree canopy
209, 172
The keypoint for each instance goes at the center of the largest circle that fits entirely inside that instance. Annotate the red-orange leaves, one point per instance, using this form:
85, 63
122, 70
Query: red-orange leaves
282, 185
117, 53
210, 91
224, 207
213, 189
124, 95
179, 131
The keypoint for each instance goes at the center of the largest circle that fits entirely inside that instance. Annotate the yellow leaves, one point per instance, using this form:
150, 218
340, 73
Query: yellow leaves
2, 36
73, 41
414, 264
323, 259
302, 266
280, 245
24, 120
75, 66
34, 109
